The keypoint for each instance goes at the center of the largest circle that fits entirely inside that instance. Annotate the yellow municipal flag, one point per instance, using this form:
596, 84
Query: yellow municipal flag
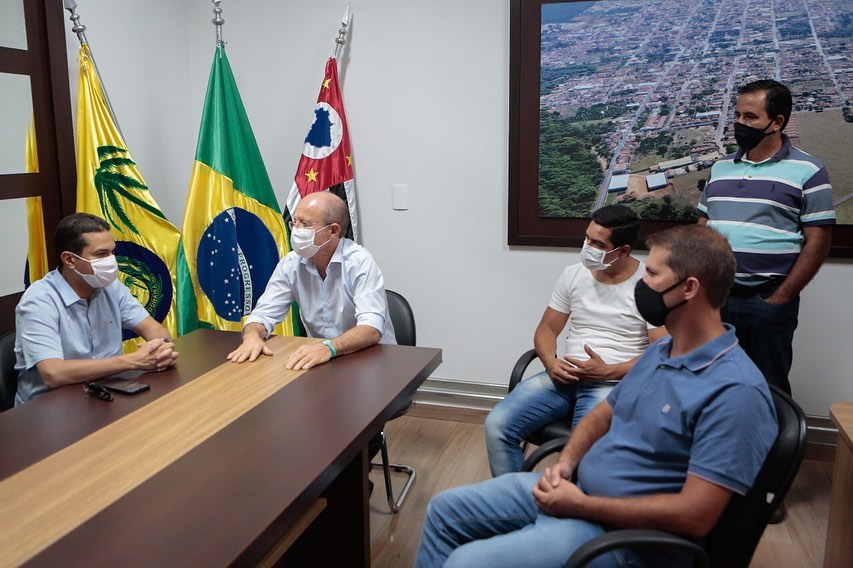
233, 234
36, 246
110, 186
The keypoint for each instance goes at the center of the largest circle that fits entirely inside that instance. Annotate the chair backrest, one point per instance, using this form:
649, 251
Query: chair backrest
734, 538
8, 374
402, 317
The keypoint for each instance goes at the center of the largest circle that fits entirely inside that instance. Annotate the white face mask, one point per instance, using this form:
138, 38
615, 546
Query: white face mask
593, 258
104, 271
302, 241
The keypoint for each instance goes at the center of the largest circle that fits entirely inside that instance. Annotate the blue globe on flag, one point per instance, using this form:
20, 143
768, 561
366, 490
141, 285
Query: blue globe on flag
325, 133
148, 279
236, 257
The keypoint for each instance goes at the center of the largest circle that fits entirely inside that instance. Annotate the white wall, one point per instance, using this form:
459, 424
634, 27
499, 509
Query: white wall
426, 94
141, 51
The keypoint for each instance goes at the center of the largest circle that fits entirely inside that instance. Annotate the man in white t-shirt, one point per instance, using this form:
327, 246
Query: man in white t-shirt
605, 336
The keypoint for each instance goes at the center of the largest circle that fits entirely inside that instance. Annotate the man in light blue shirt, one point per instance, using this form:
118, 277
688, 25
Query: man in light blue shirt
68, 324
336, 282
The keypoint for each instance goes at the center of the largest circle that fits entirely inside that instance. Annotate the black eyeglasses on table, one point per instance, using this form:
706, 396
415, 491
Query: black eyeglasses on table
96, 390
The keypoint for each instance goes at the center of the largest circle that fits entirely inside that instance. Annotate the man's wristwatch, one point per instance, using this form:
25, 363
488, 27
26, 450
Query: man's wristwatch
328, 343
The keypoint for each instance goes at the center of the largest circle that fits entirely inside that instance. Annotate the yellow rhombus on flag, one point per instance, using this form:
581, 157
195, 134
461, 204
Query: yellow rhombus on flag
110, 186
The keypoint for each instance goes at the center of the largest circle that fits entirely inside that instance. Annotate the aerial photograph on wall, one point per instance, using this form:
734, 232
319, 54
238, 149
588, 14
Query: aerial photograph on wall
637, 96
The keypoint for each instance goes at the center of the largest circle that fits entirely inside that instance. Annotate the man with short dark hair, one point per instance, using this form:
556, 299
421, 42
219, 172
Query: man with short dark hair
773, 202
689, 425
336, 282
68, 324
605, 337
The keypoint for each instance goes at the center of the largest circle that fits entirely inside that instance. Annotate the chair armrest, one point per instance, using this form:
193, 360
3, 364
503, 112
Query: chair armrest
521, 366
543, 451
637, 538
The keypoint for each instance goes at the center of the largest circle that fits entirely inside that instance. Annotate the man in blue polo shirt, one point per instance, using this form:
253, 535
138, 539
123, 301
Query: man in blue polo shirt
68, 324
689, 425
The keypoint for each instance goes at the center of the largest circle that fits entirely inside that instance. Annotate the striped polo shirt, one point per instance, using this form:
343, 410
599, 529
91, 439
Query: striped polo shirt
762, 207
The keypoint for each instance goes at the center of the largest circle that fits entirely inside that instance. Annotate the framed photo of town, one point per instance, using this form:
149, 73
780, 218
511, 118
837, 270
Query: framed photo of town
631, 101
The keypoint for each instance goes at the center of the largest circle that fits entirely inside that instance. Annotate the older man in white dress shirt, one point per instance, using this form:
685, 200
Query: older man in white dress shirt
336, 282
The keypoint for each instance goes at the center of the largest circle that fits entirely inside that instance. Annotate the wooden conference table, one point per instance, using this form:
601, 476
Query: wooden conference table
217, 464
839, 534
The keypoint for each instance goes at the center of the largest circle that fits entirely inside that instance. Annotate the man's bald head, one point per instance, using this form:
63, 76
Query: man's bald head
327, 207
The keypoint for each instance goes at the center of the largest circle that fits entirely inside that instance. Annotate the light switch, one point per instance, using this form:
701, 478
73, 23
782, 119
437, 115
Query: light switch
399, 196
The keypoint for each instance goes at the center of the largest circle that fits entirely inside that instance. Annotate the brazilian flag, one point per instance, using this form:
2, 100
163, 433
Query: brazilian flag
110, 186
233, 234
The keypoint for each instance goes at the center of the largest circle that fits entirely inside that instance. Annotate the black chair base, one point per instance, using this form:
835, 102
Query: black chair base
394, 503
404, 328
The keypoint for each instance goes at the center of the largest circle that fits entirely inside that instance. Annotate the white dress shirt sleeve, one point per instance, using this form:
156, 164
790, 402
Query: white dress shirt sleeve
274, 303
368, 293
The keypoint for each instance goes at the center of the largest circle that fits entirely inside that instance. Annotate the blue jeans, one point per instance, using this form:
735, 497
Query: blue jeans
766, 332
496, 523
532, 404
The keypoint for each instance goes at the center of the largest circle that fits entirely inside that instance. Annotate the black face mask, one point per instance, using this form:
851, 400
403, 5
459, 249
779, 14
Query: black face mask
650, 302
748, 137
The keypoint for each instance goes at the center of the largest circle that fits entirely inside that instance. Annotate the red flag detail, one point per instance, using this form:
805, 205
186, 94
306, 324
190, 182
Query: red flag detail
326, 158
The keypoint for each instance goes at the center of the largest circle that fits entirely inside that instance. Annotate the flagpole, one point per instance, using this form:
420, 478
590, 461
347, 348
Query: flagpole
80, 30
341, 40
218, 21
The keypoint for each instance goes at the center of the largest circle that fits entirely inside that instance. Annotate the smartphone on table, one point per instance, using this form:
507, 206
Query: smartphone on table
124, 386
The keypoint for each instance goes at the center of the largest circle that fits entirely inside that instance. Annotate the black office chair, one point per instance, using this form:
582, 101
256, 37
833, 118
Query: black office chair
733, 540
8, 374
555, 430
404, 328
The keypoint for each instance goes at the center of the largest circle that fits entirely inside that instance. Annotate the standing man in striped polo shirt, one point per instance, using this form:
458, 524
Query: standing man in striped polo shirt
773, 202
